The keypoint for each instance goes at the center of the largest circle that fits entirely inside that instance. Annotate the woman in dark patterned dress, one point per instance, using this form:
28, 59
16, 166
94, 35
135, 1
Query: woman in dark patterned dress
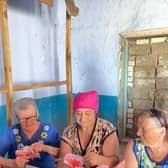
91, 137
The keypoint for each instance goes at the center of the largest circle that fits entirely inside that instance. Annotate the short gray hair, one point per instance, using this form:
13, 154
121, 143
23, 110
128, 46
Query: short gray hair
23, 103
153, 113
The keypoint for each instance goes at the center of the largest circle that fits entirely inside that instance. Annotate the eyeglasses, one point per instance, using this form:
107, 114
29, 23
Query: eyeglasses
24, 120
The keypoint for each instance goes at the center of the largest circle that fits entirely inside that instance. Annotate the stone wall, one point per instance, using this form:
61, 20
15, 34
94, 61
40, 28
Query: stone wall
147, 78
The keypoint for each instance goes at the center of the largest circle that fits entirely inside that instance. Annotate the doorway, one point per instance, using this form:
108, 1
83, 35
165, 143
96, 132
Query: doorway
143, 76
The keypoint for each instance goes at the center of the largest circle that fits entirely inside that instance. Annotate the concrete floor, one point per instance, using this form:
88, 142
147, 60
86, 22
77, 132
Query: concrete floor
123, 143
122, 147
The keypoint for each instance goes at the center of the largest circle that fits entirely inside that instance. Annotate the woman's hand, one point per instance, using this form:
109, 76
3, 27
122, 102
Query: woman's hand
38, 147
91, 159
21, 161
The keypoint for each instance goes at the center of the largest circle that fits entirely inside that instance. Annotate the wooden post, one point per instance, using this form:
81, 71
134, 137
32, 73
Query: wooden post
68, 67
125, 86
7, 61
48, 2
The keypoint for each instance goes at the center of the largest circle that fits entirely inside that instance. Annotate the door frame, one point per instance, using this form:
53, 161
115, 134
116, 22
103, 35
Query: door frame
123, 71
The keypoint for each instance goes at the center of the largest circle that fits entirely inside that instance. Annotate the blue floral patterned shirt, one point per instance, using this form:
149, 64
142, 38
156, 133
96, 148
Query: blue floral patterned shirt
14, 138
143, 158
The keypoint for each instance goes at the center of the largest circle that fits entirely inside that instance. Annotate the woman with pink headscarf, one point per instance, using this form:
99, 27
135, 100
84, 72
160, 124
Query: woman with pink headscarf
91, 137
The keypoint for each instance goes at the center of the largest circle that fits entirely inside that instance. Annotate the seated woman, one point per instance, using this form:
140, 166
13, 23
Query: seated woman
149, 149
41, 137
91, 137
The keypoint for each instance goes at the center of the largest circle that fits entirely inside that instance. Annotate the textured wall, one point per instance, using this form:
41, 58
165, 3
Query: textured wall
37, 42
148, 62
95, 38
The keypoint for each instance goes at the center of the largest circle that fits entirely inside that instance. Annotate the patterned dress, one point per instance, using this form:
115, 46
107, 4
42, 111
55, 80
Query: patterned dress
143, 158
102, 129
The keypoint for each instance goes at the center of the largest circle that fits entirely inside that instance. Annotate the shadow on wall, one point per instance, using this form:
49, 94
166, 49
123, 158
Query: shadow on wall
22, 5
54, 109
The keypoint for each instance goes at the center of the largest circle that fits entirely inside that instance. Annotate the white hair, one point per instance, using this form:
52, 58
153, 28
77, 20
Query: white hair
23, 103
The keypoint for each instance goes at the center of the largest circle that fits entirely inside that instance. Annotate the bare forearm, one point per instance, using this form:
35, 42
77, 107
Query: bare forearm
110, 161
51, 150
11, 163
60, 164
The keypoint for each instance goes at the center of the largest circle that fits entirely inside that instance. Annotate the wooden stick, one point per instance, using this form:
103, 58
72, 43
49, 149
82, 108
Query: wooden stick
68, 67
48, 2
34, 86
145, 33
3, 90
39, 85
7, 61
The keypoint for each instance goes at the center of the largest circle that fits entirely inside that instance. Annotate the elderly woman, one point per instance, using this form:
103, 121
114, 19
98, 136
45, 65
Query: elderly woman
150, 148
91, 137
41, 137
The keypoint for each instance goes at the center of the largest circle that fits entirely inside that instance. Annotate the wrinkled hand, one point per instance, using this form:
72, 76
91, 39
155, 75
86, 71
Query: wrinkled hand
38, 146
91, 159
21, 161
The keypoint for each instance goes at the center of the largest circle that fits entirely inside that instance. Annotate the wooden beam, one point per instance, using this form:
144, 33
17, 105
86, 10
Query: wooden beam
3, 90
68, 67
71, 8
48, 2
7, 61
34, 86
146, 33
38, 85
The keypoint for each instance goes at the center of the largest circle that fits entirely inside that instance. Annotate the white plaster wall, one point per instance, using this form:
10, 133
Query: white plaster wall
37, 40
95, 38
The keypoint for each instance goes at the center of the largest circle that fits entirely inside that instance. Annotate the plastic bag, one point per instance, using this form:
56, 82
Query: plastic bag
27, 151
75, 161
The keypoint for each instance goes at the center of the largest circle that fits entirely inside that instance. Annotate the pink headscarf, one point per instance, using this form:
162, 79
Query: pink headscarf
88, 100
